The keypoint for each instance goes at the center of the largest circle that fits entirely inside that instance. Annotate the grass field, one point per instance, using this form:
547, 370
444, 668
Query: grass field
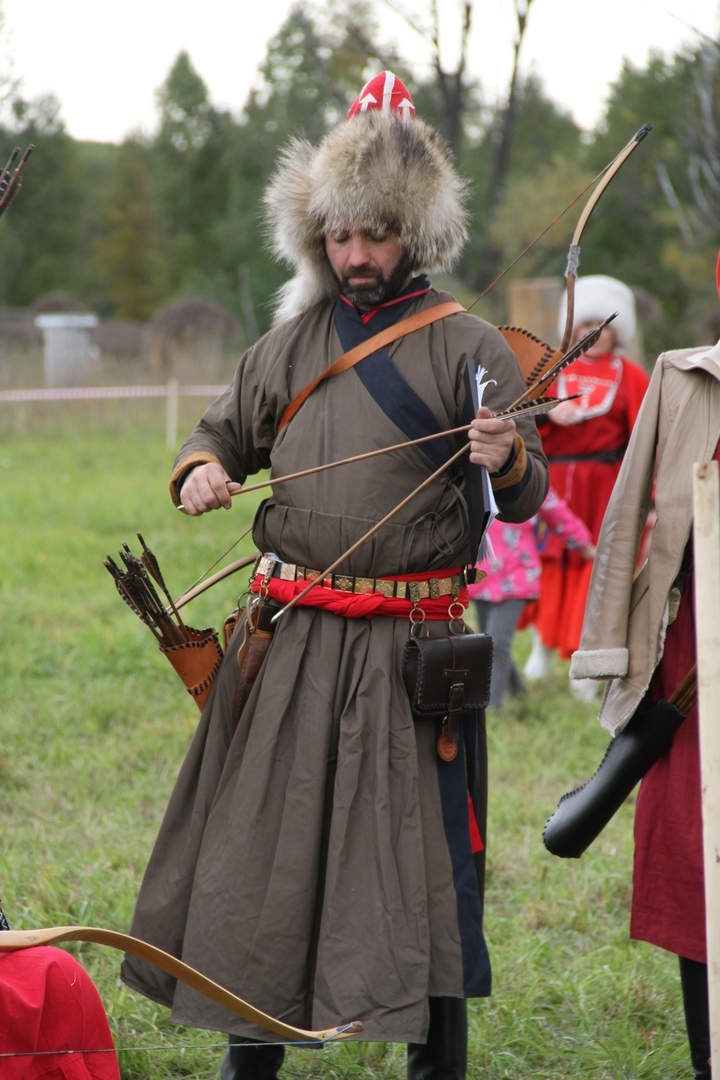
94, 725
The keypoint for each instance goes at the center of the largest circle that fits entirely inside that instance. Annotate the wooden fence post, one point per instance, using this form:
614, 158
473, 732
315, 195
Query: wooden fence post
706, 529
172, 414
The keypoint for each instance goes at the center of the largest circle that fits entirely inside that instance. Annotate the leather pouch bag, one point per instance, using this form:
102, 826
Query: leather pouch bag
448, 674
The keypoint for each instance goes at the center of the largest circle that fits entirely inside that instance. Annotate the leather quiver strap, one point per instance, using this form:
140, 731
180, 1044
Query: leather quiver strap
258, 631
416, 321
197, 662
445, 675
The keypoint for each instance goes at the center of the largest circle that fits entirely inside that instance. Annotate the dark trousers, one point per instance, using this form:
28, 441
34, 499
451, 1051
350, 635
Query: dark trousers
694, 981
246, 1060
442, 1057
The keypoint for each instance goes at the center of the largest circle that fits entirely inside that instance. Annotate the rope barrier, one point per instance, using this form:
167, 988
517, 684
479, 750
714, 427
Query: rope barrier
90, 392
171, 391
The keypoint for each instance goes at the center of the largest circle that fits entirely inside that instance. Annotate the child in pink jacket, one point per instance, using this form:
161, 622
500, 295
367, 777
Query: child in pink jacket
513, 570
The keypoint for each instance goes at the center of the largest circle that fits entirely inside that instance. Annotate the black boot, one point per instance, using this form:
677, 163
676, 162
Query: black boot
694, 981
246, 1060
444, 1055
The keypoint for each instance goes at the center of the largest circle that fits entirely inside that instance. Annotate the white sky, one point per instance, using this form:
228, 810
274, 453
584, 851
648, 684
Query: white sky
105, 60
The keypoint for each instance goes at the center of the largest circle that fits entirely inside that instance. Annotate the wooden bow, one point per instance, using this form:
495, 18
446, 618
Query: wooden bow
574, 249
12, 940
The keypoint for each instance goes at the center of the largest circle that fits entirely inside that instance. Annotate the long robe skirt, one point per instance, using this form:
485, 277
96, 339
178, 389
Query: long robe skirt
318, 861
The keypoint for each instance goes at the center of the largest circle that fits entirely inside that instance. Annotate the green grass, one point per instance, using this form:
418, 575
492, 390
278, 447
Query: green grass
94, 725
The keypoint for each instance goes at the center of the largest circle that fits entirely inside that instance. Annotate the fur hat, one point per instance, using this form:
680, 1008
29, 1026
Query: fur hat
381, 169
598, 296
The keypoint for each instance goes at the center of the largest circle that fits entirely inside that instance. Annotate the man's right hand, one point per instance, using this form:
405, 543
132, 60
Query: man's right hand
208, 487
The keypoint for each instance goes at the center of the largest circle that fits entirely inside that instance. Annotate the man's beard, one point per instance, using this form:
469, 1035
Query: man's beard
381, 288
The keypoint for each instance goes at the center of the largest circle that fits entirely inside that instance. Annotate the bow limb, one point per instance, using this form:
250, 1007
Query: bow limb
574, 250
11, 940
196, 590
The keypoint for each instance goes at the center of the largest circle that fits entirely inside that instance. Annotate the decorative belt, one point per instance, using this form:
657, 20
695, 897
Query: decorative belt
429, 588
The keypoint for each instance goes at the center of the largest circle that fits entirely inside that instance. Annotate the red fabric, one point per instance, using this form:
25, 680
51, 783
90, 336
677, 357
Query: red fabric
476, 844
668, 900
585, 486
385, 92
558, 613
366, 316
364, 605
48, 1002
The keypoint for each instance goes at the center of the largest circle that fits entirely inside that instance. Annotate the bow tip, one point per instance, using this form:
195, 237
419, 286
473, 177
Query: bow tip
345, 1031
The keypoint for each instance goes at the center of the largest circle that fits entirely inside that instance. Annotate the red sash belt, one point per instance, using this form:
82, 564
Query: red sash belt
366, 605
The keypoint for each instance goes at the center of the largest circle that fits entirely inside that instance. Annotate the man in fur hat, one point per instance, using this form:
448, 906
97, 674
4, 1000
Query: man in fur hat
318, 855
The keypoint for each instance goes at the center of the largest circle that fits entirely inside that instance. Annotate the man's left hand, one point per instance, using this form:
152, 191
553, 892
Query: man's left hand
491, 440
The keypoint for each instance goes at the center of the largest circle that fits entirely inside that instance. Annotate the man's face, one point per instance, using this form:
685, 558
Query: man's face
370, 267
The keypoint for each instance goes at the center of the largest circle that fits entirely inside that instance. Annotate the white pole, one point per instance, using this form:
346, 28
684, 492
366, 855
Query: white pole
706, 498
172, 414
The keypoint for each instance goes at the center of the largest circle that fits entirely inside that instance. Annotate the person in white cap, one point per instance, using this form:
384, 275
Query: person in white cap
584, 441
318, 855
639, 635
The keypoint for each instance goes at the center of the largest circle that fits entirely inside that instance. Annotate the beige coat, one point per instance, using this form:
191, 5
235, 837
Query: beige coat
625, 620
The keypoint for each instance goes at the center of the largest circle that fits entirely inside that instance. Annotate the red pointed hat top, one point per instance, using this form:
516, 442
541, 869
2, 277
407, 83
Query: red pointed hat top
385, 92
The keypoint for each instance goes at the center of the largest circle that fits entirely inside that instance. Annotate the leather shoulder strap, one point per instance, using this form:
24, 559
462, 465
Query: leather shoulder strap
378, 341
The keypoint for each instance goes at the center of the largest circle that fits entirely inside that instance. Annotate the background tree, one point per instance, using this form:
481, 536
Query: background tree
647, 230
124, 256
314, 66
546, 171
129, 228
190, 184
42, 244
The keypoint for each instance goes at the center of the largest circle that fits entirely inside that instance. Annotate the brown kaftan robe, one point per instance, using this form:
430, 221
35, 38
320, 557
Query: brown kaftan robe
304, 862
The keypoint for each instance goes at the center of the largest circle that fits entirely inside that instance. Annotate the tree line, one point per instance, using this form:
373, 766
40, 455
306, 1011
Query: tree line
126, 228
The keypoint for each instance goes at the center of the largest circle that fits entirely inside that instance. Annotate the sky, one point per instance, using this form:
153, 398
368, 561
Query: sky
105, 61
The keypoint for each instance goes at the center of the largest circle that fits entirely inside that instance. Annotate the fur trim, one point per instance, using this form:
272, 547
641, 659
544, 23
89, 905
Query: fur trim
599, 664
376, 171
596, 297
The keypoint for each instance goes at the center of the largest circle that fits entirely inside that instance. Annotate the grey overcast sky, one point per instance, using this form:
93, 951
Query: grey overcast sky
105, 60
